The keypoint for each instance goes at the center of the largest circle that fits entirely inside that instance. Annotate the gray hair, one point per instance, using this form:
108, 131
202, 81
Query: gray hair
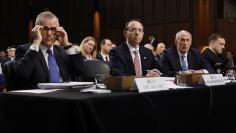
47, 15
178, 34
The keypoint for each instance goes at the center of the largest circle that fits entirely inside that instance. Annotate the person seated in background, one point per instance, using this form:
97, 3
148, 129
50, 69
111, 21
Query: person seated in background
213, 54
2, 53
182, 57
152, 40
10, 55
88, 48
42, 61
106, 46
159, 49
231, 60
11, 52
149, 46
130, 58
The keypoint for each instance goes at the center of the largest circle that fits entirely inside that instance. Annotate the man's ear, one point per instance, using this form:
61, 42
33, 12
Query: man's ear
124, 33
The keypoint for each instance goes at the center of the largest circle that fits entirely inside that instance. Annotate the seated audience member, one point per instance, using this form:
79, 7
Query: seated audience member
130, 58
10, 56
183, 58
42, 61
152, 40
149, 46
106, 46
2, 53
88, 48
231, 60
159, 52
213, 54
11, 52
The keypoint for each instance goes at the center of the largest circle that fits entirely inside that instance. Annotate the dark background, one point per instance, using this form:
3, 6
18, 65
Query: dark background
162, 18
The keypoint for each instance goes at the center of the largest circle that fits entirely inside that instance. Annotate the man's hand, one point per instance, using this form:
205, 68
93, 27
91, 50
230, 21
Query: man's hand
37, 35
153, 73
61, 33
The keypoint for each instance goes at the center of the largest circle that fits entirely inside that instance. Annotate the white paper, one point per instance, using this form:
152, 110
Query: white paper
213, 79
172, 85
150, 84
94, 90
64, 85
37, 91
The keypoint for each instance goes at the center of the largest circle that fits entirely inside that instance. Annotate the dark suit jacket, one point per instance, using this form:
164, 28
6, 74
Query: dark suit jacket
31, 67
99, 57
171, 62
122, 63
213, 59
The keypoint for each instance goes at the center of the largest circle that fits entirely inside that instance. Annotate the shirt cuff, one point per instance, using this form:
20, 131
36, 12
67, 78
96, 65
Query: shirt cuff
205, 71
34, 47
72, 50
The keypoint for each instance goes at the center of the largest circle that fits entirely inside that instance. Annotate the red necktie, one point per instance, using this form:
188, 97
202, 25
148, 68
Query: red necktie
137, 63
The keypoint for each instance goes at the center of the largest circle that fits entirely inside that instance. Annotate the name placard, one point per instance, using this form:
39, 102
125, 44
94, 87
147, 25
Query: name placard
213, 79
150, 84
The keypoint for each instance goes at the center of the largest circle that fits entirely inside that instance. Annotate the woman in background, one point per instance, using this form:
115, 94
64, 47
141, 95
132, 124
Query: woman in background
88, 48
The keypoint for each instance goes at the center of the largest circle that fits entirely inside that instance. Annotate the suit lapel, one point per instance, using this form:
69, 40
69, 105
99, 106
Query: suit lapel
129, 59
190, 60
143, 58
44, 64
176, 60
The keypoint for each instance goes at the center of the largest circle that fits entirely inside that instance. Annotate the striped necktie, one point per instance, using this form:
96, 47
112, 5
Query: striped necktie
184, 63
137, 63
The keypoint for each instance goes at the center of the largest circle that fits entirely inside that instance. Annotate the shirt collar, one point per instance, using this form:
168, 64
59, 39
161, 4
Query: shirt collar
180, 54
44, 48
131, 48
212, 50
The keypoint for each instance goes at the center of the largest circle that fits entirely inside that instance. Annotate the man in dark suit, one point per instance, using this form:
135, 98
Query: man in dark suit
42, 61
213, 54
130, 58
106, 46
183, 58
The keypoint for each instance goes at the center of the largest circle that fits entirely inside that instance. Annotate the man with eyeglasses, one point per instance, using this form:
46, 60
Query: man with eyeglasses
183, 58
214, 53
130, 58
42, 61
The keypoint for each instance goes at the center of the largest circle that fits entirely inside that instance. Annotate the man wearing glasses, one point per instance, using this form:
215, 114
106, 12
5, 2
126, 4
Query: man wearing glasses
42, 61
130, 58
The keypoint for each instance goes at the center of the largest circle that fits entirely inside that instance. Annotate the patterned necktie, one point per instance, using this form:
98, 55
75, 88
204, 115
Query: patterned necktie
184, 63
137, 63
106, 58
52, 66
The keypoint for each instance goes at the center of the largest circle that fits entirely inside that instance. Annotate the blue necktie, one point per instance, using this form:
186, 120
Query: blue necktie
184, 63
53, 70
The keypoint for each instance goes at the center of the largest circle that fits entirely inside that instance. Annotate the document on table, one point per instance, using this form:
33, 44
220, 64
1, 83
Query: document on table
37, 91
65, 85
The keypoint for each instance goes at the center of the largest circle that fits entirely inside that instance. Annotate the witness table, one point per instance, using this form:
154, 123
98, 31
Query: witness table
192, 110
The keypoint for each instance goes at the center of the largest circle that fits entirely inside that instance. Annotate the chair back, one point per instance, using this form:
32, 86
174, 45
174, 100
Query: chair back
94, 68
10, 75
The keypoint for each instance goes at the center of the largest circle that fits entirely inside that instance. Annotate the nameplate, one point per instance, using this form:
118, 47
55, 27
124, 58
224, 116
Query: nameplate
150, 84
213, 79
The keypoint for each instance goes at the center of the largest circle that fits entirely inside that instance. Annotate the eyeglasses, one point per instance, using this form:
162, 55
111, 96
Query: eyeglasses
135, 29
52, 29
